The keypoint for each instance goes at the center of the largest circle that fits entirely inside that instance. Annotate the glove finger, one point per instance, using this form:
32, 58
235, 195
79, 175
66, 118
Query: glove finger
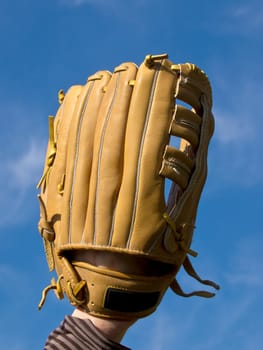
141, 194
79, 156
107, 165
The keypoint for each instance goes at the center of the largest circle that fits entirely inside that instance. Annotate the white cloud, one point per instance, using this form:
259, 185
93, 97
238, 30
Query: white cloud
232, 317
237, 19
199, 326
233, 130
8, 342
236, 157
159, 338
236, 312
250, 14
227, 321
18, 181
244, 18
247, 264
119, 8
25, 170
99, 2
82, 2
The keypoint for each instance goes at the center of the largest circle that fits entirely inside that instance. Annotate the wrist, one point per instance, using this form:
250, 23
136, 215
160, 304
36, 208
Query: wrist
111, 329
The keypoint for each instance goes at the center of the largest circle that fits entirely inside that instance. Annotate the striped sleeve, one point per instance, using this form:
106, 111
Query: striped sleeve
78, 334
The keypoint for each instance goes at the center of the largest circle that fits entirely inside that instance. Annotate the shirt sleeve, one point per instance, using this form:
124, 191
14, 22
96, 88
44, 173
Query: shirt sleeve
78, 334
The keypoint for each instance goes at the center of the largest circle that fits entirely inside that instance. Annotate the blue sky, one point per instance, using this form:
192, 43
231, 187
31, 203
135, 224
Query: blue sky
52, 44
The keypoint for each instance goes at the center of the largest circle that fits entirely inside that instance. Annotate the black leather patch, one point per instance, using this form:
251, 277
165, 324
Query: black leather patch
128, 301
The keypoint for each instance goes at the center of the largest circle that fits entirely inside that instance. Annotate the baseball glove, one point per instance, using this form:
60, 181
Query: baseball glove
114, 240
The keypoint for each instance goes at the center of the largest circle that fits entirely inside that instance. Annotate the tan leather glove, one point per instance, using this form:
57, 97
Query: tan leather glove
115, 242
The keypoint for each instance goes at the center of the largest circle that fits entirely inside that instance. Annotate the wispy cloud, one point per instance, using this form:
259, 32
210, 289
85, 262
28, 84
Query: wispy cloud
159, 338
247, 264
237, 313
237, 143
249, 14
18, 180
83, 2
231, 317
24, 171
198, 327
117, 8
227, 321
244, 18
233, 129
113, 4
8, 342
